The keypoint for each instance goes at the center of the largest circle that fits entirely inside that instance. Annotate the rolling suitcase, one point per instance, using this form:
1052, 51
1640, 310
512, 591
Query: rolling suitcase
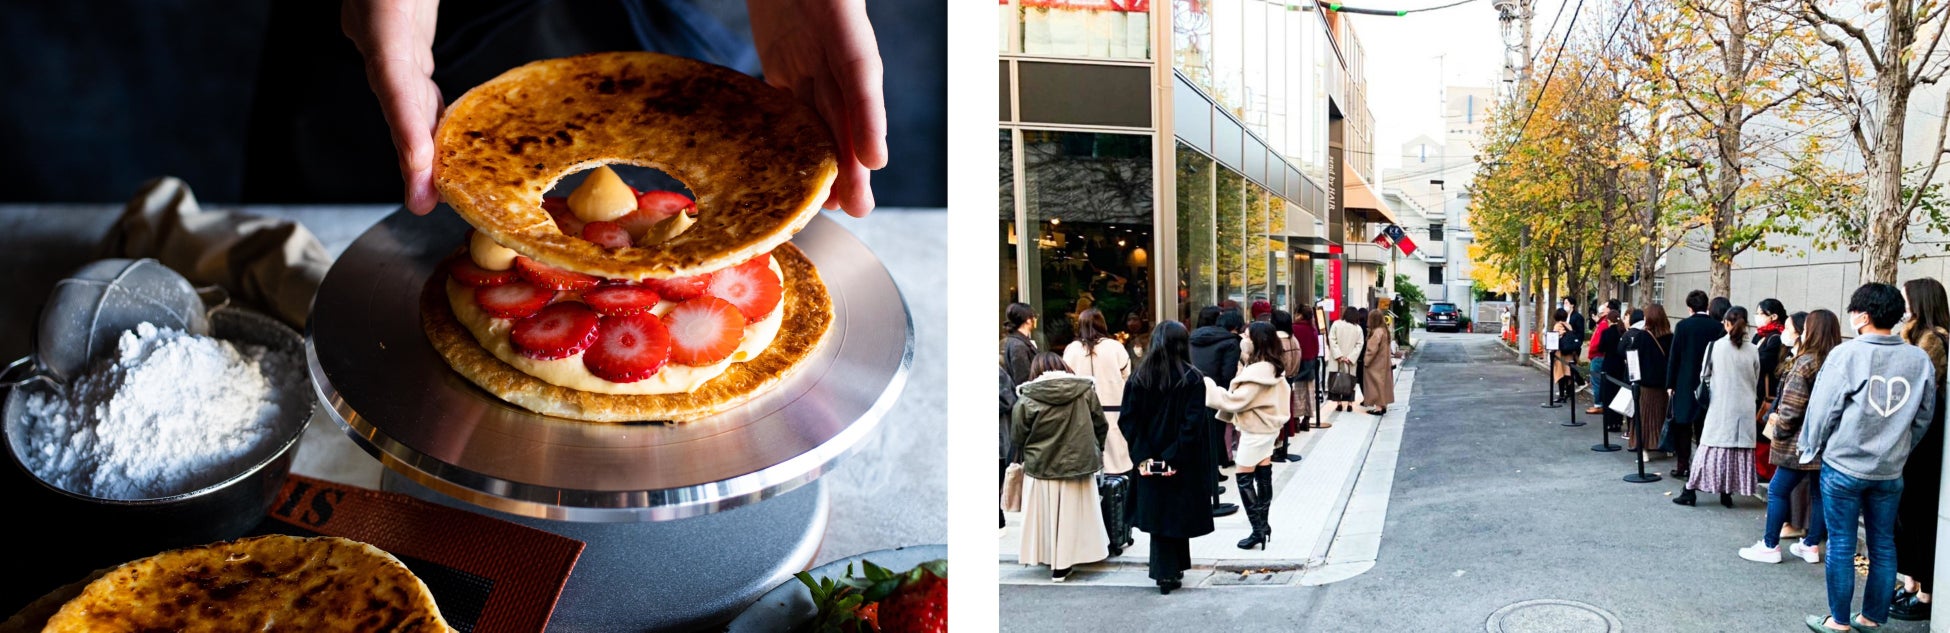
1114, 494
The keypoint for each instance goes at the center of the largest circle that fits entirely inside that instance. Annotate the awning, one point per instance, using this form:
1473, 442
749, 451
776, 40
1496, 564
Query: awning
1363, 201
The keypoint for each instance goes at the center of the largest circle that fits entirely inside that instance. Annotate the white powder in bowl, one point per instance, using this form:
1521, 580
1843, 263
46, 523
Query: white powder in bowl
172, 413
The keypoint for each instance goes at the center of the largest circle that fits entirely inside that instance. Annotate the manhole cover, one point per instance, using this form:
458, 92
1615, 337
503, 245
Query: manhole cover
1556, 616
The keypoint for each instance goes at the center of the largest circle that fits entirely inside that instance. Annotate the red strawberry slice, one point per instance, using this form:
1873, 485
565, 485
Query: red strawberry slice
680, 288
468, 273
628, 348
558, 331
653, 207
513, 300
565, 219
607, 234
551, 277
703, 331
620, 300
750, 286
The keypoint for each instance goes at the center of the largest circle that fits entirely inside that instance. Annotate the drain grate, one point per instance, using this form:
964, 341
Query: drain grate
1252, 577
1553, 616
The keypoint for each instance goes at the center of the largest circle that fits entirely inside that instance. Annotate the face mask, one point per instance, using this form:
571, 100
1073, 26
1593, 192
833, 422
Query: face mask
1792, 341
1857, 321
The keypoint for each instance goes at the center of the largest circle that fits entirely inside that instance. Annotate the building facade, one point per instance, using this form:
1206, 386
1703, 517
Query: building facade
1432, 184
1160, 157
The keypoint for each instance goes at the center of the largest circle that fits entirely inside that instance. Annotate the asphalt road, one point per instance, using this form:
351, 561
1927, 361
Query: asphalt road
1495, 504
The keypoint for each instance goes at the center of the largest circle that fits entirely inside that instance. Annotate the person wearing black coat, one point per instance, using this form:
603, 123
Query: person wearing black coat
1164, 419
1649, 340
1215, 352
1690, 339
1610, 343
1008, 402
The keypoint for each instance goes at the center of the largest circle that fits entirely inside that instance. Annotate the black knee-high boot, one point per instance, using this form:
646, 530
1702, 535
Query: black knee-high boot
1249, 494
1265, 478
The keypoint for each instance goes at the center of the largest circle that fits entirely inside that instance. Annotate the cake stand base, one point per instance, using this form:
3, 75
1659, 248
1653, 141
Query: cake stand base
686, 574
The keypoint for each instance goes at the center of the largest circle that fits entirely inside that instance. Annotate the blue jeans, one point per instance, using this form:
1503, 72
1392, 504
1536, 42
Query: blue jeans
1779, 490
1844, 499
1597, 380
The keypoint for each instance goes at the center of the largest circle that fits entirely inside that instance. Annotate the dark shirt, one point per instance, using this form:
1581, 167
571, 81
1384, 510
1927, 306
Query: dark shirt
1215, 352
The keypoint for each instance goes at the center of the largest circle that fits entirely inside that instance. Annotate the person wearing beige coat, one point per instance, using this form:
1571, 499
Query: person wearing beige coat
1258, 403
1106, 361
1344, 349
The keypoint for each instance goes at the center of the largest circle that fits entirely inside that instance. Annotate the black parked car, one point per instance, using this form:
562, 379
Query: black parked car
1443, 317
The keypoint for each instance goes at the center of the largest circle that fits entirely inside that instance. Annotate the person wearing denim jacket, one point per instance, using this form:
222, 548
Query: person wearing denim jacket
1872, 402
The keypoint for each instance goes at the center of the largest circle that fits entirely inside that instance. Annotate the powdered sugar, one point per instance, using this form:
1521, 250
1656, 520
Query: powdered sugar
170, 414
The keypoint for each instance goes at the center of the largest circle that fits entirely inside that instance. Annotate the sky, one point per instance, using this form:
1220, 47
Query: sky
1408, 59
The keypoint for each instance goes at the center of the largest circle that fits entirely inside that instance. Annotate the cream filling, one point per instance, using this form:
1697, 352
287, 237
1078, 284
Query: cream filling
569, 372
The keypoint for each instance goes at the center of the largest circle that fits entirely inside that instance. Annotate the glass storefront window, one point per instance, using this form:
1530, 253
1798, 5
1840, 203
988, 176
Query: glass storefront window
1088, 200
1253, 38
1257, 201
1276, 79
1230, 198
1279, 266
1197, 268
1228, 57
1191, 40
1002, 27
1104, 29
1011, 292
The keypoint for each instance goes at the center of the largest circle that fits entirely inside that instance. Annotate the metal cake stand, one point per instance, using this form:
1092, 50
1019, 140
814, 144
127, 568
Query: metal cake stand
651, 500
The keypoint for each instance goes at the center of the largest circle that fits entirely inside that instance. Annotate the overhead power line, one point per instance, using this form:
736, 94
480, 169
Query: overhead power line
1338, 7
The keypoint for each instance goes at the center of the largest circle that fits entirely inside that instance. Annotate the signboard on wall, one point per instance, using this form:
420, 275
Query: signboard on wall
1334, 277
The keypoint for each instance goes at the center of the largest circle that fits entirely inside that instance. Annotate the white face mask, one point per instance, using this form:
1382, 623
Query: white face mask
1858, 321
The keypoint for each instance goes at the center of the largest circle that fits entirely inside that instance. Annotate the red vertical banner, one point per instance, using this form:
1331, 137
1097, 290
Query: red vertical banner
1334, 254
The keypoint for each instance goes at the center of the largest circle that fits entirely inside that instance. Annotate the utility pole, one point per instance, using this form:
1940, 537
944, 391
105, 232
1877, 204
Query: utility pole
1514, 18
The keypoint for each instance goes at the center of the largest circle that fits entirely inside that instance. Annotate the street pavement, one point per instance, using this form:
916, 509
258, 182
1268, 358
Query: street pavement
1498, 519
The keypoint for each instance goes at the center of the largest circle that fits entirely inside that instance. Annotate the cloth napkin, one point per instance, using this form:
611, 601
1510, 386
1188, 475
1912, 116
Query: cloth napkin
270, 264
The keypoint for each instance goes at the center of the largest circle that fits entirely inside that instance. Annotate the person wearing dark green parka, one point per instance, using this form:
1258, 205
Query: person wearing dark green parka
1059, 425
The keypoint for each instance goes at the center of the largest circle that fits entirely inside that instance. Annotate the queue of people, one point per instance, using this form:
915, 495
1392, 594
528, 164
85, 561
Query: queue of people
1846, 433
1104, 443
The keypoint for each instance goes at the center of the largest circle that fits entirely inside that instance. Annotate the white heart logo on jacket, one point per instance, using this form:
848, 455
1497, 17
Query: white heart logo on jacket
1890, 403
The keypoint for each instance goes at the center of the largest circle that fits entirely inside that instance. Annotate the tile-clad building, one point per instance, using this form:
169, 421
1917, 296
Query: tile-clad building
1160, 157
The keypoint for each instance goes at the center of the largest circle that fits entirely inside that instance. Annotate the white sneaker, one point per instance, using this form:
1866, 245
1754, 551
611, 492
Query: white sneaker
1806, 553
1759, 552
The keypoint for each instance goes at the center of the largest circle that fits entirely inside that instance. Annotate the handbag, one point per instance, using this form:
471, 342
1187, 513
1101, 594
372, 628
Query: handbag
1012, 485
1703, 392
1624, 402
1340, 386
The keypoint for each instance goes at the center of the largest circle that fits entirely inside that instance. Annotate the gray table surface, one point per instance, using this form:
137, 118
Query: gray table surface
891, 493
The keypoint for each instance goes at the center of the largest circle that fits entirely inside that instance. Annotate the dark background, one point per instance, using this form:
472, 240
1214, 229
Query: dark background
97, 97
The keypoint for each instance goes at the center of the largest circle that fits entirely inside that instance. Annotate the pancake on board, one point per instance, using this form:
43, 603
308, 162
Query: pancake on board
265, 583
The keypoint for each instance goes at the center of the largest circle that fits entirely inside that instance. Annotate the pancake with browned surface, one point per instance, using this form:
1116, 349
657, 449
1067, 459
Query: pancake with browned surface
808, 316
758, 161
267, 583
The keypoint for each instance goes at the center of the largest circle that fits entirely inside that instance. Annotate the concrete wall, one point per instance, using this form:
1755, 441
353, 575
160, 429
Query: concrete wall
1802, 281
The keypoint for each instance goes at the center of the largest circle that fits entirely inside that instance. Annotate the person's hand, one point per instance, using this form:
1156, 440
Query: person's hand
823, 51
396, 38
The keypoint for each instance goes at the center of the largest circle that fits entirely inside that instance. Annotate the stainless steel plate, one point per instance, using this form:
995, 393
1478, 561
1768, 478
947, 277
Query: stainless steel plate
399, 400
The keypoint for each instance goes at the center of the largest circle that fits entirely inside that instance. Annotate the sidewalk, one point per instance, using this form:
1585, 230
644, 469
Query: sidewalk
1327, 514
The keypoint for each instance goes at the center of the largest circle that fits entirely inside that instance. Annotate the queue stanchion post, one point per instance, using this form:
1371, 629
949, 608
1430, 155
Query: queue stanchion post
1550, 385
1571, 399
1638, 425
1604, 444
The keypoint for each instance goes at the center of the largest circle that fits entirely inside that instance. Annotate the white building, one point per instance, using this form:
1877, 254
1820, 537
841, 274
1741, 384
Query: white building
1430, 193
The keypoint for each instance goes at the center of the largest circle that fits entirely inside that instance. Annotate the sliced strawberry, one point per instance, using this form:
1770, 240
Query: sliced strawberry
704, 330
653, 207
680, 288
565, 219
513, 300
750, 286
628, 348
618, 300
551, 277
558, 331
468, 273
607, 234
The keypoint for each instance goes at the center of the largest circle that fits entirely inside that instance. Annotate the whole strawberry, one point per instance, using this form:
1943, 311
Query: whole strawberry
920, 603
